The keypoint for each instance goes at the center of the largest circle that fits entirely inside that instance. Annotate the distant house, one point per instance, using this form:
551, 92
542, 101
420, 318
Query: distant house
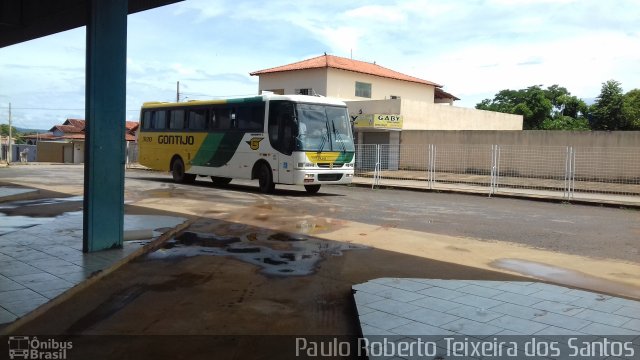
65, 142
384, 104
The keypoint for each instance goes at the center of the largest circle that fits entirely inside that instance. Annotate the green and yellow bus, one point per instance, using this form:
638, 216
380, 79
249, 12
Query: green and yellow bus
277, 139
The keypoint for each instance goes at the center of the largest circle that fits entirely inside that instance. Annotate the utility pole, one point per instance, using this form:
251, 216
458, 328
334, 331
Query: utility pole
178, 91
9, 147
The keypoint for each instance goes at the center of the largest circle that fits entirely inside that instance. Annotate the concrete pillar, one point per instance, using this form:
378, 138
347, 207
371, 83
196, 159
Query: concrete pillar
104, 132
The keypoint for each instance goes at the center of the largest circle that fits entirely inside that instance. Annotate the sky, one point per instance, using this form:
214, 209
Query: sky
473, 48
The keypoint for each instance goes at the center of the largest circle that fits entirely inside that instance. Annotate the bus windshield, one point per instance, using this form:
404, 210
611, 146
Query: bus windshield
323, 128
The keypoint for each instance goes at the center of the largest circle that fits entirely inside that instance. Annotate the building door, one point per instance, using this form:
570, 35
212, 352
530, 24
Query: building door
383, 139
67, 153
377, 138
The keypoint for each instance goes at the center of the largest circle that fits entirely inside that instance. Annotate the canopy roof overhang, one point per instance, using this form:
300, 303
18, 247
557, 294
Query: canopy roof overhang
26, 20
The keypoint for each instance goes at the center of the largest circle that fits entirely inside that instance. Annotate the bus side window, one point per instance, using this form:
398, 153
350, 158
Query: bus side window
251, 118
146, 120
176, 122
197, 119
234, 119
224, 118
257, 117
159, 120
213, 124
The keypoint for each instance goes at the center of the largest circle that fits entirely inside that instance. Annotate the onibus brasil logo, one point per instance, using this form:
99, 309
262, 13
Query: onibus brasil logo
32, 348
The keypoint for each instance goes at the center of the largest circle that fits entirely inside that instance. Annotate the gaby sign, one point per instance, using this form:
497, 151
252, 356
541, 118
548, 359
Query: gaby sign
378, 121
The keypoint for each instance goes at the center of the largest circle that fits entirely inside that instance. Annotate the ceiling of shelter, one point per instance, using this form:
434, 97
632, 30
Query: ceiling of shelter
23, 20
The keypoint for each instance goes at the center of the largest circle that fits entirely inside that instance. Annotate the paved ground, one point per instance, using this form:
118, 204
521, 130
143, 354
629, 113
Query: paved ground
513, 312
572, 229
41, 257
188, 288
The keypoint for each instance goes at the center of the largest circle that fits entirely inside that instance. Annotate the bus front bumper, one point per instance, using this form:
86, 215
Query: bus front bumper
317, 177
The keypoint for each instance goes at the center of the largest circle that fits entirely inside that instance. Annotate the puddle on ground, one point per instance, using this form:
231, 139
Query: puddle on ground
6, 191
9, 224
280, 254
40, 202
566, 276
69, 223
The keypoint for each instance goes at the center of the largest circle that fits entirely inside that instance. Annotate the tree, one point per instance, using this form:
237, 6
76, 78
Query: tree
566, 123
607, 112
4, 130
631, 108
532, 103
554, 93
15, 134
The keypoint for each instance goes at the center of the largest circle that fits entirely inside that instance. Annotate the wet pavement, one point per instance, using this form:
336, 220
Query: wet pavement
275, 253
8, 191
41, 257
405, 309
268, 238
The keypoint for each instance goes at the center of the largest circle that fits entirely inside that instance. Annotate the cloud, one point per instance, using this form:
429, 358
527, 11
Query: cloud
475, 48
205, 9
378, 13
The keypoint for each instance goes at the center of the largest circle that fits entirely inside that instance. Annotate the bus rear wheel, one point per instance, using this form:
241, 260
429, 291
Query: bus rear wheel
177, 171
312, 189
265, 179
217, 180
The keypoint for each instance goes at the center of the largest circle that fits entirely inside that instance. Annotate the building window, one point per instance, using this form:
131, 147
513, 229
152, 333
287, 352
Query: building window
363, 90
308, 91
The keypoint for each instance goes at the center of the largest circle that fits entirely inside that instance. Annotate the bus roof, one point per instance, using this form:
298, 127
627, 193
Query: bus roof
264, 97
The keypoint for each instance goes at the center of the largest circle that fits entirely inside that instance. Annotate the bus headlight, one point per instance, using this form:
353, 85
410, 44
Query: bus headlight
309, 176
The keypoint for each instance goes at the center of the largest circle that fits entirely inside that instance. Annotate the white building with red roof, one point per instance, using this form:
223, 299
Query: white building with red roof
65, 142
383, 103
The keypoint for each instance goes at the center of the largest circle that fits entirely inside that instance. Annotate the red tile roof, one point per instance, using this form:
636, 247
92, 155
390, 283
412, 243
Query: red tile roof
336, 62
47, 136
67, 129
80, 124
73, 129
441, 94
131, 125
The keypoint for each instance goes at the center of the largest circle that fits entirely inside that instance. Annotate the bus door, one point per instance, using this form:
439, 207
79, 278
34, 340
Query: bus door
281, 137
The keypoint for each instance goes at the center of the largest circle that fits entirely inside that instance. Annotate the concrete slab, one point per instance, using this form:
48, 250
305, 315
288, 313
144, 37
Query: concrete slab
490, 311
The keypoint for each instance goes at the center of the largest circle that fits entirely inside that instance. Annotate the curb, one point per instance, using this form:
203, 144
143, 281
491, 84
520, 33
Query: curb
510, 196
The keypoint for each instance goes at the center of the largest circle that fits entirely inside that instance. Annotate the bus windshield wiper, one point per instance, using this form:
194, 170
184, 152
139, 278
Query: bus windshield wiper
324, 140
339, 137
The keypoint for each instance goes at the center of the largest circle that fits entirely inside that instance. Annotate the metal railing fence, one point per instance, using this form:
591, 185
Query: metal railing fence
611, 174
131, 153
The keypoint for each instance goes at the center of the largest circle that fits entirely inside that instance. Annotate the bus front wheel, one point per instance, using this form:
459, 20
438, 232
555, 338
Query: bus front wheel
265, 179
177, 171
312, 189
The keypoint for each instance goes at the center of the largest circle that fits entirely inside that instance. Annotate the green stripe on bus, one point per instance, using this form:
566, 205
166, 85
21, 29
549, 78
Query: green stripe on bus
245, 100
217, 149
207, 149
345, 157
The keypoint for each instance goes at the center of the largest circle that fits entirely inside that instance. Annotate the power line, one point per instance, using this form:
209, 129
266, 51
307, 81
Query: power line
51, 109
34, 108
